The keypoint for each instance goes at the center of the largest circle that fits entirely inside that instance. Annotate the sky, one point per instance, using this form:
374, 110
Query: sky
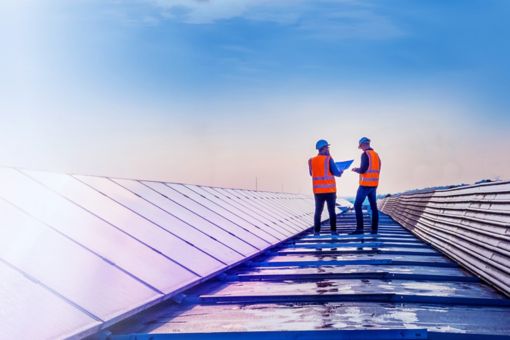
233, 93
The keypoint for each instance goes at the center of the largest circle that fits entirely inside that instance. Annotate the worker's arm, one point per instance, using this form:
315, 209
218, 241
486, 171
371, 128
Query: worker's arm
334, 170
364, 164
310, 166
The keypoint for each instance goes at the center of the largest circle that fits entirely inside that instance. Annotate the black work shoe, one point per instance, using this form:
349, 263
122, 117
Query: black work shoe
356, 232
316, 234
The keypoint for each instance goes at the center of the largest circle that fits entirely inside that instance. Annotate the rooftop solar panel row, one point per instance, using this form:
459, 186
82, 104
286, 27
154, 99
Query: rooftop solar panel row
93, 250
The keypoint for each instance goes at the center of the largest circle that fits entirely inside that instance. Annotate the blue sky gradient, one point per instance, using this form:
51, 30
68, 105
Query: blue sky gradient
256, 81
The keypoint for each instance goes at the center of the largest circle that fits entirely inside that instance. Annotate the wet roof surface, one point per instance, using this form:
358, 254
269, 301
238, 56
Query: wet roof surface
388, 281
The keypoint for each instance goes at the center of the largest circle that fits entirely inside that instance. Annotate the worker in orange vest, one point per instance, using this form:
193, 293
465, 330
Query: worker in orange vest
323, 169
369, 172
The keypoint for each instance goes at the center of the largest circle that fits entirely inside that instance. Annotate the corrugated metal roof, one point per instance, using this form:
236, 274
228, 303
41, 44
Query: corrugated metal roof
471, 224
386, 286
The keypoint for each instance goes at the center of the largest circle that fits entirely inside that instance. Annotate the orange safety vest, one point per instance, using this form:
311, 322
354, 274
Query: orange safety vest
371, 177
322, 178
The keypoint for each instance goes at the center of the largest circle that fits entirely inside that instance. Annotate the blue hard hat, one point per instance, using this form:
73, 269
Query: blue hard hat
321, 143
364, 140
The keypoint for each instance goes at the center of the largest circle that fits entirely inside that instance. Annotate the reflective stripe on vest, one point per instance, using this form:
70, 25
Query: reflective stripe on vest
371, 177
324, 186
322, 178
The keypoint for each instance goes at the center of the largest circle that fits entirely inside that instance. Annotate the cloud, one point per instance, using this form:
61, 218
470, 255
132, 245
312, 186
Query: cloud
211, 11
328, 19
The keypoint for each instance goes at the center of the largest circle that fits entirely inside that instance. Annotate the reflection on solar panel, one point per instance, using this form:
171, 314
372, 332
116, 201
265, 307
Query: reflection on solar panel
79, 253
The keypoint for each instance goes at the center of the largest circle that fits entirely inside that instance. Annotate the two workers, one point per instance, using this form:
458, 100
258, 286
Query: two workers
323, 171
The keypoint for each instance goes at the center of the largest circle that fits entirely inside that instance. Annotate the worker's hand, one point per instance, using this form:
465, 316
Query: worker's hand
341, 172
355, 169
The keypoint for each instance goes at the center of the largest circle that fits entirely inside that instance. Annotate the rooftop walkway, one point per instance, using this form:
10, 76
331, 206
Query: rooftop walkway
389, 286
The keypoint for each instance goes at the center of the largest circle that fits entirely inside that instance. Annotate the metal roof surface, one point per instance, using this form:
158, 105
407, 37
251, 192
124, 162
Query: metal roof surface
389, 286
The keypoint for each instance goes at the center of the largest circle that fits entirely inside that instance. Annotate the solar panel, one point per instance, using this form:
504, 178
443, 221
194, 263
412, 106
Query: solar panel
135, 217
224, 230
273, 209
272, 221
300, 204
95, 285
248, 229
94, 250
229, 204
280, 200
297, 206
238, 194
92, 232
254, 197
29, 310
228, 247
170, 216
276, 201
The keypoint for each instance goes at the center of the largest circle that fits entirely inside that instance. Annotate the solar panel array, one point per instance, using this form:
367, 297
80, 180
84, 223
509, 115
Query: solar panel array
79, 253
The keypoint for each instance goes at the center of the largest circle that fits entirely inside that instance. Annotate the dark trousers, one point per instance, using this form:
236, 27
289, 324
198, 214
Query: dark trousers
364, 192
330, 199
